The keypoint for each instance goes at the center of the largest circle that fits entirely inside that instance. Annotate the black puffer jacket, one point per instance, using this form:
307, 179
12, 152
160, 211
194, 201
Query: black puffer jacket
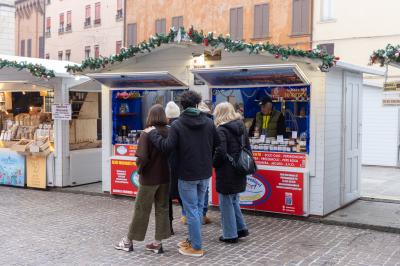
194, 138
228, 181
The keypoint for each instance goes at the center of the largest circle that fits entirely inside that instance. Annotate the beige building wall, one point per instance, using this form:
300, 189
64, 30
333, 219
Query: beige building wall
105, 34
29, 25
357, 28
214, 16
7, 27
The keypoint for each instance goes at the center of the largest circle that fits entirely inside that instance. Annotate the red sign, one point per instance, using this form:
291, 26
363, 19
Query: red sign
271, 191
125, 150
124, 178
295, 160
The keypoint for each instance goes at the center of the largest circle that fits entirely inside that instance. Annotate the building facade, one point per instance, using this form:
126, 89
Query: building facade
285, 22
7, 27
85, 29
29, 25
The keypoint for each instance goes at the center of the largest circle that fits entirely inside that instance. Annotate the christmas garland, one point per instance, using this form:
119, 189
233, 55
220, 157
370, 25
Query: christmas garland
194, 36
35, 69
391, 54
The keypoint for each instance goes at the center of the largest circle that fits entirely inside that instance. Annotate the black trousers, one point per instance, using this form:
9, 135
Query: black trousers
171, 209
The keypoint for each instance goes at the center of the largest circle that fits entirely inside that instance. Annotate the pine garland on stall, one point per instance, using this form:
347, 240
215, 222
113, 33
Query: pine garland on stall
198, 37
391, 54
35, 69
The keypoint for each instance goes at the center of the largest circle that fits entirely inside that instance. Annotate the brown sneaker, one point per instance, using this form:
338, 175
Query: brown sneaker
184, 244
206, 220
158, 249
189, 251
183, 219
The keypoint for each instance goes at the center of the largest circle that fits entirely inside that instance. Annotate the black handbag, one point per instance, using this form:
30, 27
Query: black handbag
245, 164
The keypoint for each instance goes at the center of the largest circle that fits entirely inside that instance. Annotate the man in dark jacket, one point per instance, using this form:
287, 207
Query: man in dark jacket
194, 137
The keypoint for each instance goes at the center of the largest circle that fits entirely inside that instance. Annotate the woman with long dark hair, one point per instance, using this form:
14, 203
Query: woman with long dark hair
154, 178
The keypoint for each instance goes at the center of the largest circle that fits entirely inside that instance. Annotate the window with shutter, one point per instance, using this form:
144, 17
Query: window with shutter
120, 12
236, 23
48, 27
132, 34
61, 28
68, 55
29, 48
69, 21
261, 21
60, 55
41, 47
96, 51
118, 46
87, 16
22, 48
177, 22
301, 17
161, 26
87, 52
97, 18
327, 10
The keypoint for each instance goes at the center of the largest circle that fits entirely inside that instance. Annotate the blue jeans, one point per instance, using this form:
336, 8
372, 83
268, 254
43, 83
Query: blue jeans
205, 208
192, 194
231, 216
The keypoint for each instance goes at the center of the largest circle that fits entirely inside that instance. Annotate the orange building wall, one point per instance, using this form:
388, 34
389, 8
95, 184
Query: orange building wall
213, 15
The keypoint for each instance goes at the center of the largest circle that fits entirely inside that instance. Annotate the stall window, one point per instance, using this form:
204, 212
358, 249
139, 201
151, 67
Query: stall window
96, 51
60, 55
29, 48
22, 52
87, 52
132, 34
236, 23
261, 21
48, 101
118, 46
87, 16
327, 10
68, 55
97, 18
177, 22
301, 17
161, 26
69, 21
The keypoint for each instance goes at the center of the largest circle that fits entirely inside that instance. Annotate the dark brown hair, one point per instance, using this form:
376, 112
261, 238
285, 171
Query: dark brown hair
156, 116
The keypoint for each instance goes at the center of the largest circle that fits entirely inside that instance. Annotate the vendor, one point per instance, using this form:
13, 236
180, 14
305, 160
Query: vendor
268, 121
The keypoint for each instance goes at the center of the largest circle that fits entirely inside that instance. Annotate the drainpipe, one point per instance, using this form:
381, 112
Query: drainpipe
124, 26
44, 28
312, 23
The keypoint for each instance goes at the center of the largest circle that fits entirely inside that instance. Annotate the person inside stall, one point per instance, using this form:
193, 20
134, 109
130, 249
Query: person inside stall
268, 121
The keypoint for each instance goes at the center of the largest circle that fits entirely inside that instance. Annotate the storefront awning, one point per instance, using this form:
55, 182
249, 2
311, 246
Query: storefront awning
140, 80
252, 76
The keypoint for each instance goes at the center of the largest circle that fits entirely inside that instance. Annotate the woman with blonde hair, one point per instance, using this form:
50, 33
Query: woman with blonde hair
229, 183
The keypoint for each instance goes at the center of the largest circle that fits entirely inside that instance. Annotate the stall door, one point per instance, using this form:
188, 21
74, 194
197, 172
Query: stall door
352, 138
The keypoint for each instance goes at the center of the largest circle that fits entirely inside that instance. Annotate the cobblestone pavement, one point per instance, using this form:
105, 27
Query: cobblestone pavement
51, 228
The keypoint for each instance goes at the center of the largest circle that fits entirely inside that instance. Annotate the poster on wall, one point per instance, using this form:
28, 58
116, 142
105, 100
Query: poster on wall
124, 178
12, 168
36, 171
272, 191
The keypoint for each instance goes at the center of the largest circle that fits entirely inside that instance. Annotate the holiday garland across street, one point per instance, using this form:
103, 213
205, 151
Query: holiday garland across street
391, 54
194, 36
35, 69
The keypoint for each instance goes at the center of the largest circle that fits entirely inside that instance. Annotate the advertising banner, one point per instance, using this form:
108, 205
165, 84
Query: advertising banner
128, 150
61, 111
271, 191
36, 171
124, 177
295, 160
12, 168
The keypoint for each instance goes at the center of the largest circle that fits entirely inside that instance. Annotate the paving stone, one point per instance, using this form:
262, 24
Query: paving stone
52, 228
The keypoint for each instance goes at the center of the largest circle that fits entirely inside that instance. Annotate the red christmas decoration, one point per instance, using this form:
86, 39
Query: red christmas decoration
205, 41
190, 33
277, 55
337, 58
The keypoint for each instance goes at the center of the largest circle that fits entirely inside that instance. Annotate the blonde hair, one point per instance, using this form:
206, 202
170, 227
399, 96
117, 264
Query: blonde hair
224, 113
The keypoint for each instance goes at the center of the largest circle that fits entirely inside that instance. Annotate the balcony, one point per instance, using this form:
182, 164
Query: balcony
97, 21
68, 28
120, 15
61, 29
88, 22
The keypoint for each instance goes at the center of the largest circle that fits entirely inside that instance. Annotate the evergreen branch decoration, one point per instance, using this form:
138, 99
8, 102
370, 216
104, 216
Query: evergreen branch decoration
391, 54
198, 37
36, 70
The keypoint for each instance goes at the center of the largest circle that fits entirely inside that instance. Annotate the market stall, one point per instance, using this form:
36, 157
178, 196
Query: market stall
130, 96
314, 166
35, 122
